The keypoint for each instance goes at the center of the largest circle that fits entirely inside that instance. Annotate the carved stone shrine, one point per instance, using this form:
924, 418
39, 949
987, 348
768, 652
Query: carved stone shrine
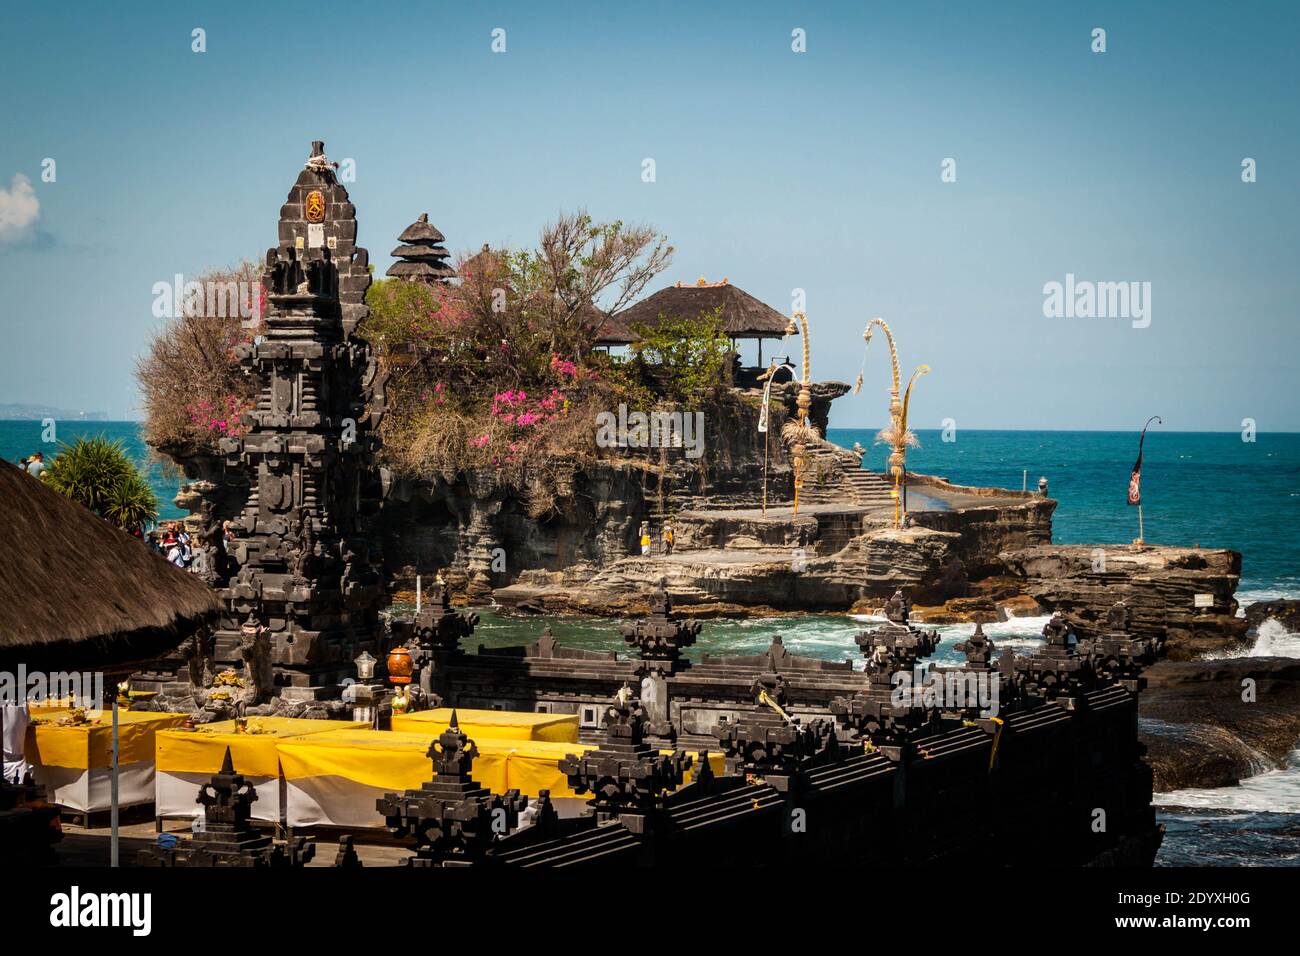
309, 570
227, 839
894, 648
452, 819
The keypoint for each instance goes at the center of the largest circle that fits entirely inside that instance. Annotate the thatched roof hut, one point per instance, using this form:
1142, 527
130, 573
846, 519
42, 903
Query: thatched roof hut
77, 592
611, 330
745, 316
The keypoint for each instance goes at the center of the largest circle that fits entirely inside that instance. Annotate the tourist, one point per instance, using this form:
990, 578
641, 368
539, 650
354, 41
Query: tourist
668, 539
36, 465
645, 543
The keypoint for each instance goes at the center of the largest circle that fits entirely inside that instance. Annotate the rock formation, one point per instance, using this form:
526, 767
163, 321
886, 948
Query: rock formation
1286, 613
1183, 597
1212, 723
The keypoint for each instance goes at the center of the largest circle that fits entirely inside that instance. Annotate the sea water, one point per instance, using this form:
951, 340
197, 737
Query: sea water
1211, 489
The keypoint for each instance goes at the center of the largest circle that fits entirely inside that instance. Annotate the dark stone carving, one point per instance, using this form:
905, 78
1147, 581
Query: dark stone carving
626, 777
660, 637
347, 858
227, 840
1119, 655
434, 638
893, 651
770, 745
307, 564
1061, 668
452, 819
440, 628
978, 650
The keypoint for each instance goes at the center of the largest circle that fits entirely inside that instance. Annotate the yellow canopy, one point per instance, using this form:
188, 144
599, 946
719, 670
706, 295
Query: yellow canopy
480, 725
89, 746
201, 750
397, 760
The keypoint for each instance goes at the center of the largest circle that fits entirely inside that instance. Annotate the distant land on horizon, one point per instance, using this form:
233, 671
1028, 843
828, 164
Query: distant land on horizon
18, 412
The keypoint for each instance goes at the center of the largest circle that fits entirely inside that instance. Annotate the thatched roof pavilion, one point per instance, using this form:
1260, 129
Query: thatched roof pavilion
745, 316
77, 593
611, 331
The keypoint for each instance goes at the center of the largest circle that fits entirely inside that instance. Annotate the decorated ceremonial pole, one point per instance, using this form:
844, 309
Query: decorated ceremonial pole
1135, 479
799, 432
896, 435
907, 399
770, 375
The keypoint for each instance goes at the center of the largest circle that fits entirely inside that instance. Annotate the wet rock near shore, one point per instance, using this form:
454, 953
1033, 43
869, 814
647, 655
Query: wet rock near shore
1200, 732
1183, 597
1285, 612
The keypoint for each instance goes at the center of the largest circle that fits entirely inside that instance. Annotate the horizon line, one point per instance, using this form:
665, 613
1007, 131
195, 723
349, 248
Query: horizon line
995, 428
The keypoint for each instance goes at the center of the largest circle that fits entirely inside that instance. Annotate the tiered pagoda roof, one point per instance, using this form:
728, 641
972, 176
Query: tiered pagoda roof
421, 257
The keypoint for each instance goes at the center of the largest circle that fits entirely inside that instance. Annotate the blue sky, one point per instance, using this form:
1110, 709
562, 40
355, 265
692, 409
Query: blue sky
779, 170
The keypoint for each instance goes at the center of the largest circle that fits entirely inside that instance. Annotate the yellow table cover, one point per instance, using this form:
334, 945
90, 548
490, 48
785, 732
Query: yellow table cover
386, 759
89, 746
480, 725
398, 760
254, 754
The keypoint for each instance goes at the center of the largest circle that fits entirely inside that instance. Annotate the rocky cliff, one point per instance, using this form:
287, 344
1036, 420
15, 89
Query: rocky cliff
1181, 596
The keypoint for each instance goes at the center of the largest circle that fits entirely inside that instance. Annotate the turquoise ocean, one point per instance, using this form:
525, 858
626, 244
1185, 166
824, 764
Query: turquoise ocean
1211, 489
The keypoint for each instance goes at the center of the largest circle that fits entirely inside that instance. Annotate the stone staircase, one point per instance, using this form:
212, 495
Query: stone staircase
851, 484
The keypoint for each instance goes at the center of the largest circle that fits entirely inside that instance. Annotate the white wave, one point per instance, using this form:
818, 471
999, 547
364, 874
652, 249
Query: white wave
1274, 791
1254, 596
1016, 632
1272, 639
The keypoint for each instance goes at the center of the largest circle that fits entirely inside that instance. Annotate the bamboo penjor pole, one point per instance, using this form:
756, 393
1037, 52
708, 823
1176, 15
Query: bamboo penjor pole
802, 430
898, 453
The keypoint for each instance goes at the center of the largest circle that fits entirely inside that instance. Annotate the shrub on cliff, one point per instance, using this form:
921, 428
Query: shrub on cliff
493, 375
688, 353
497, 374
193, 391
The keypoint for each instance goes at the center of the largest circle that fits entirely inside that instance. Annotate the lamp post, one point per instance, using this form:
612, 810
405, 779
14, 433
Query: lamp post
364, 693
799, 432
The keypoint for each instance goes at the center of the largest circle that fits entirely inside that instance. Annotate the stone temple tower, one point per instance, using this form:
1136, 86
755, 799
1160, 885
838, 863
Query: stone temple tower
306, 595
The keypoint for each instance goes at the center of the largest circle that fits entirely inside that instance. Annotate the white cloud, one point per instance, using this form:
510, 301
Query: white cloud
19, 209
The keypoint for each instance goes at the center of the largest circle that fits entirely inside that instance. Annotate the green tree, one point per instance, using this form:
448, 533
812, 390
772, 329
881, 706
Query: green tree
689, 353
98, 473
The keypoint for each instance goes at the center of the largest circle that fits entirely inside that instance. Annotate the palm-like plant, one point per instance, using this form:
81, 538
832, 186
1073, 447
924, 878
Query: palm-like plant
98, 473
132, 503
